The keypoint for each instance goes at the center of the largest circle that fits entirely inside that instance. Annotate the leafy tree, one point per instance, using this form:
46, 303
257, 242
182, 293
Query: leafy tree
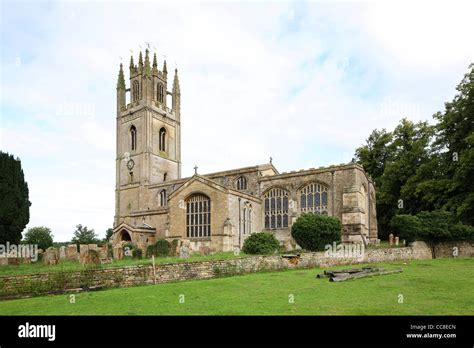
14, 202
83, 235
374, 155
108, 234
454, 147
41, 236
314, 231
426, 167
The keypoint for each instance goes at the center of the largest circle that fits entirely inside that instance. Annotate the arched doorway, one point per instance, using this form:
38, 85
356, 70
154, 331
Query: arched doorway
125, 236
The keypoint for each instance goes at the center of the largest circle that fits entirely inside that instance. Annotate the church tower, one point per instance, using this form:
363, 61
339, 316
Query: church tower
148, 133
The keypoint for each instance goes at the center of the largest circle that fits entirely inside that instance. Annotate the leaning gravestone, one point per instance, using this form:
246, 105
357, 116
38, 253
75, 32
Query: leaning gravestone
51, 256
90, 257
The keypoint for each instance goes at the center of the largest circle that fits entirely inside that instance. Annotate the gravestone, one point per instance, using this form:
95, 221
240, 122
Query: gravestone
71, 252
390, 239
62, 253
91, 256
118, 252
51, 256
185, 249
397, 240
83, 248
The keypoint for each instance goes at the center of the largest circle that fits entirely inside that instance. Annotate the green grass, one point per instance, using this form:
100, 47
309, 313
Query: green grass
429, 287
37, 267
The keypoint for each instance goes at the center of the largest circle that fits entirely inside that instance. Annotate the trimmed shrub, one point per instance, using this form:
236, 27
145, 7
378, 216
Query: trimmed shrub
261, 243
314, 231
150, 251
137, 253
406, 226
162, 247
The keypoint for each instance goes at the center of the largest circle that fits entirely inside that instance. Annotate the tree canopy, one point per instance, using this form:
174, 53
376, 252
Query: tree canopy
83, 235
41, 236
14, 201
422, 167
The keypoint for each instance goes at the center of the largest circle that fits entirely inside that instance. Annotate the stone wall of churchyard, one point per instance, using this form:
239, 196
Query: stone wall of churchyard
75, 281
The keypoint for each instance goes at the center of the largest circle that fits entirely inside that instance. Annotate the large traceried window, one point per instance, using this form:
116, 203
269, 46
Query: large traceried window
314, 199
163, 198
198, 216
162, 139
242, 183
160, 93
135, 90
276, 208
133, 138
247, 218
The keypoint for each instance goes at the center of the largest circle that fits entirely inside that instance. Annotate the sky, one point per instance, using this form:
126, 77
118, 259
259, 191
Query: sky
302, 82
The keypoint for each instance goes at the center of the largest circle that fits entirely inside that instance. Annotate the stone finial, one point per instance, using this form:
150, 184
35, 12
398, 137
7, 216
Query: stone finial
132, 64
147, 63
121, 78
176, 82
165, 70
155, 61
140, 61
195, 170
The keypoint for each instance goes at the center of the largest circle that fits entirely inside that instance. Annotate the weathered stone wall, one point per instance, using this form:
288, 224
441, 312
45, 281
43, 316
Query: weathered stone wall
59, 282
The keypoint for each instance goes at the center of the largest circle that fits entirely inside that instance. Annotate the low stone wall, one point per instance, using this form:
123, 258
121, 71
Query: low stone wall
60, 282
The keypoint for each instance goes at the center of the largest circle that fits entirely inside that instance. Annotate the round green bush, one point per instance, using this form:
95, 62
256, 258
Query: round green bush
137, 253
314, 231
150, 251
261, 243
162, 247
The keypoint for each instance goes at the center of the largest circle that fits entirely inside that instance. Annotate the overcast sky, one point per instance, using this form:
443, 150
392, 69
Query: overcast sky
303, 82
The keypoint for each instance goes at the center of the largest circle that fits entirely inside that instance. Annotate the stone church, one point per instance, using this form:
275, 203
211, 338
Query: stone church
217, 210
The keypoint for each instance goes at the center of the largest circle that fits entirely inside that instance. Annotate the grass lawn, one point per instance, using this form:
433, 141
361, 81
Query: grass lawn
429, 287
39, 266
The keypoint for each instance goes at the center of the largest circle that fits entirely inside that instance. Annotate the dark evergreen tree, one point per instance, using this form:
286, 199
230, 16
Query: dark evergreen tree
14, 200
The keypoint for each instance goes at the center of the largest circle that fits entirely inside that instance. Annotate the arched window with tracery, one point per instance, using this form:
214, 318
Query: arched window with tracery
247, 218
276, 208
162, 142
198, 216
135, 90
163, 198
242, 183
314, 199
133, 138
160, 93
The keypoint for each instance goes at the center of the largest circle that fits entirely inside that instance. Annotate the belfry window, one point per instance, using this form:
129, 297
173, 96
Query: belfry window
160, 93
163, 198
241, 183
314, 199
135, 91
162, 139
133, 138
198, 216
276, 208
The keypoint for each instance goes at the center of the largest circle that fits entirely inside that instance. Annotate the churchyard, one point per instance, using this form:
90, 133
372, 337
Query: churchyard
425, 287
